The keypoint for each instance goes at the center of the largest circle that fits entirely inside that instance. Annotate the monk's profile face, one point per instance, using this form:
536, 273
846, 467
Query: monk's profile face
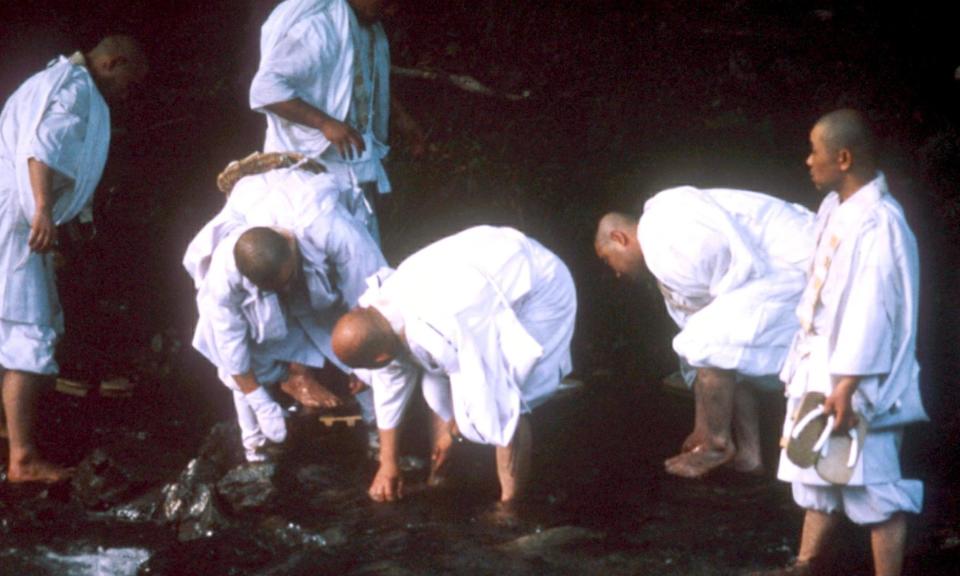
116, 75
824, 163
625, 260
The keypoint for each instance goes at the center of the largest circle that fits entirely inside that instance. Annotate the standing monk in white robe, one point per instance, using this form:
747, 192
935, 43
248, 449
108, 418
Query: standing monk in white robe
856, 346
730, 265
482, 320
54, 138
324, 85
274, 271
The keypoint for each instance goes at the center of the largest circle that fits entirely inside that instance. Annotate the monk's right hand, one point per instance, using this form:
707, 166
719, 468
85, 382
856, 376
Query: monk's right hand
43, 232
348, 141
387, 485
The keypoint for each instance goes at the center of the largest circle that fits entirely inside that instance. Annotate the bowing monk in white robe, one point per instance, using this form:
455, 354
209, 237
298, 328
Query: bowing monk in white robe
482, 320
262, 325
856, 346
730, 265
54, 138
324, 85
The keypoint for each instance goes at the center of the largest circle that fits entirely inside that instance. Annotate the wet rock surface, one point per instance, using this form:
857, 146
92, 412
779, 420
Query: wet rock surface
601, 505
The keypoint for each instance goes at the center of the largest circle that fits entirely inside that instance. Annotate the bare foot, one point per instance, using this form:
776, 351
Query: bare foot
38, 471
307, 390
694, 439
698, 462
503, 514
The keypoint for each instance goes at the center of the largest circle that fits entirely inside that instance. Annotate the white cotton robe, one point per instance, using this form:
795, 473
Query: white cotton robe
731, 266
316, 50
241, 327
59, 118
488, 315
859, 316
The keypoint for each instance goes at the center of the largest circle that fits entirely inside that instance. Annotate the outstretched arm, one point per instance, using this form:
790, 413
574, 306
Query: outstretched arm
387, 485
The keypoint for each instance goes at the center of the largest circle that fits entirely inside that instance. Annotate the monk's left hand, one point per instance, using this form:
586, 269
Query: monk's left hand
43, 232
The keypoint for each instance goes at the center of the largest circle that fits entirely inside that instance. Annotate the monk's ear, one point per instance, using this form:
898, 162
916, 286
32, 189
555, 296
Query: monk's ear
114, 61
620, 237
844, 159
382, 359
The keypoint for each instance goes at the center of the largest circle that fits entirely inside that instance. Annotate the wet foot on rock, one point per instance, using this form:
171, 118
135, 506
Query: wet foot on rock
38, 471
697, 462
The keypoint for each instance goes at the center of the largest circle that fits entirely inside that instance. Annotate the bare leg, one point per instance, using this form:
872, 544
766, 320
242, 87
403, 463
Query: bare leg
21, 391
817, 527
513, 462
716, 392
3, 418
746, 429
699, 435
442, 443
888, 540
304, 387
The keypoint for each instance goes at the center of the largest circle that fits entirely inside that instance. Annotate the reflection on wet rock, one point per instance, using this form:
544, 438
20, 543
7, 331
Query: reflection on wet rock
249, 487
100, 482
191, 504
559, 538
141, 509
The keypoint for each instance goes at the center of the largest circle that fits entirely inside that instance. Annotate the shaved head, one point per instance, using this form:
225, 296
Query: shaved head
842, 152
615, 221
116, 63
264, 256
617, 245
848, 129
363, 338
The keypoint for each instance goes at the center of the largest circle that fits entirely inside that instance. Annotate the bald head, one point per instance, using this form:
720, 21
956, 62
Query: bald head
842, 152
265, 257
617, 245
615, 221
116, 63
363, 338
848, 129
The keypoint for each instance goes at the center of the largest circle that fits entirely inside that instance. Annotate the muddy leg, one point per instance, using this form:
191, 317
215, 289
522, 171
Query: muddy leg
746, 429
513, 462
716, 395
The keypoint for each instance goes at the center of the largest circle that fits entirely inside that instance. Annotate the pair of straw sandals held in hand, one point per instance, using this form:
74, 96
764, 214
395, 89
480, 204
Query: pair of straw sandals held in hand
812, 441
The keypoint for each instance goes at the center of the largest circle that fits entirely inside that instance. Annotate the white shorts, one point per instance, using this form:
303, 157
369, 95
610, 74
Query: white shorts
867, 504
27, 347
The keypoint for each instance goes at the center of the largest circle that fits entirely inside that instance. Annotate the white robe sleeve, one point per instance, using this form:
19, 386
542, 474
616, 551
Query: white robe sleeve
354, 256
290, 67
393, 386
340, 256
59, 138
223, 333
864, 336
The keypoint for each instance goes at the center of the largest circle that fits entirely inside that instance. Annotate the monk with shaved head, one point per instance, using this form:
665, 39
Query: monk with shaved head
852, 369
54, 138
274, 270
729, 264
481, 322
